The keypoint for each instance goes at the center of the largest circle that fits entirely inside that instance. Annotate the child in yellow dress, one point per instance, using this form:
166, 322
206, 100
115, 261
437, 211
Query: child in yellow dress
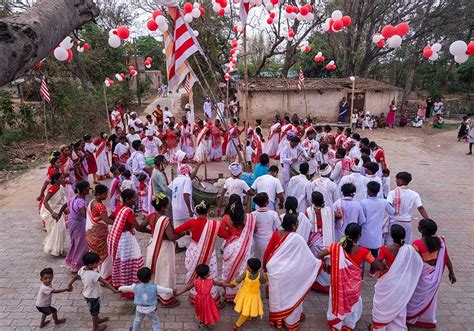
248, 302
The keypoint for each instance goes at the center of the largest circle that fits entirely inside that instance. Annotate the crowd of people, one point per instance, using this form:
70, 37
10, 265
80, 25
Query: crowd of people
337, 213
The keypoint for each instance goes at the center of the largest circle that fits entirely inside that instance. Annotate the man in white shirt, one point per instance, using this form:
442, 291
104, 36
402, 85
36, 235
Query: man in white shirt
290, 155
354, 149
342, 166
271, 185
371, 170
325, 186
301, 188
131, 137
151, 144
136, 163
357, 179
182, 199
207, 109
167, 115
234, 185
150, 123
135, 122
403, 199
221, 110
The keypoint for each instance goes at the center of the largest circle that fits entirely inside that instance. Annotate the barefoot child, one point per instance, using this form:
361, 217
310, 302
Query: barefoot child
92, 282
145, 299
205, 307
45, 294
248, 302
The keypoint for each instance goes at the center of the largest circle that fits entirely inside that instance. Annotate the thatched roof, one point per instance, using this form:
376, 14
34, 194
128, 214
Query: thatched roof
310, 84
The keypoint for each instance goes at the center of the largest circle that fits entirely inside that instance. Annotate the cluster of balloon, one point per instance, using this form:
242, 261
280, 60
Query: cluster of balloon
461, 51
331, 66
271, 17
132, 71
117, 35
158, 22
221, 7
303, 14
108, 82
269, 4
393, 34
238, 28
148, 62
234, 52
120, 77
336, 22
304, 46
63, 51
227, 76
431, 52
319, 58
290, 34
192, 11
82, 46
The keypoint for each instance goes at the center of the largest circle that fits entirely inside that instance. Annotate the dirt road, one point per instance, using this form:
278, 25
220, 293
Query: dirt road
443, 175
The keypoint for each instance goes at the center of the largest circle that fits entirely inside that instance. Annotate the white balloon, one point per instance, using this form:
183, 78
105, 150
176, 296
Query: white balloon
66, 43
394, 41
163, 51
327, 20
286, 15
118, 77
299, 17
376, 38
80, 49
114, 41
461, 58
196, 33
331, 62
60, 53
188, 18
112, 32
196, 12
433, 56
106, 82
310, 17
148, 66
216, 7
292, 16
319, 54
163, 27
436, 47
160, 20
227, 10
269, 6
196, 5
336, 15
458, 47
237, 52
325, 27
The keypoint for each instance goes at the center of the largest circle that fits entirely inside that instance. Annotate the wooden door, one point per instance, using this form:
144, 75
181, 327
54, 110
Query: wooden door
359, 100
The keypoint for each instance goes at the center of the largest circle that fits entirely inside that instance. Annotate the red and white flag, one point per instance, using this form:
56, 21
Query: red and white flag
244, 12
187, 85
300, 79
44, 91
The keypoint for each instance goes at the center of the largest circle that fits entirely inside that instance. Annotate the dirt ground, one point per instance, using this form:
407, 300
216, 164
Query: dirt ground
443, 175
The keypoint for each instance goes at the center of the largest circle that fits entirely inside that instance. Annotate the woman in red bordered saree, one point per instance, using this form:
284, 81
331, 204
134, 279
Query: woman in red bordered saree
291, 270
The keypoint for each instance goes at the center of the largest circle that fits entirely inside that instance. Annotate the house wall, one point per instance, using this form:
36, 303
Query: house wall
324, 105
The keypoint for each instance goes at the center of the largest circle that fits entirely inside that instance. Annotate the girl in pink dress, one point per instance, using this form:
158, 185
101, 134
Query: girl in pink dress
205, 306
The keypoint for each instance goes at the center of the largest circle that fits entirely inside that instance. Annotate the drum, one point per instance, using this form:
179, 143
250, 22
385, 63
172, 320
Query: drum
204, 191
295, 170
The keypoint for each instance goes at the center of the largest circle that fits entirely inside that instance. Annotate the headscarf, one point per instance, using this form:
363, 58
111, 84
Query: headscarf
291, 133
326, 171
178, 156
235, 168
184, 169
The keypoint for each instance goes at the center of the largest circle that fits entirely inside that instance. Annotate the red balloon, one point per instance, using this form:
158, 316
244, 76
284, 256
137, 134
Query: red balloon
272, 15
122, 75
111, 82
333, 67
235, 29
86, 46
328, 66
388, 31
232, 51
289, 9
151, 25
122, 32
149, 59
321, 58
274, 2
307, 49
381, 43
427, 52
338, 25
202, 10
133, 72
330, 29
402, 29
235, 44
270, 20
157, 13
131, 68
37, 65
295, 9
470, 48
221, 12
69, 55
331, 22
223, 3
147, 63
291, 33
304, 10
346, 20
310, 8
187, 8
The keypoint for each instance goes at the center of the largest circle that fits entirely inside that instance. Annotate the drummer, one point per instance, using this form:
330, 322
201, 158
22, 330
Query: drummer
290, 154
234, 185
182, 200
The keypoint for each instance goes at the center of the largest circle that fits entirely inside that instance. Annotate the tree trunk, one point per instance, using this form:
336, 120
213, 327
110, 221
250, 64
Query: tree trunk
28, 37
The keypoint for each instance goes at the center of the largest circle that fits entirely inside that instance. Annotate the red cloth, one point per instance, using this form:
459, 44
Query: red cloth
363, 254
204, 304
226, 230
380, 157
195, 225
386, 255
273, 244
130, 219
91, 163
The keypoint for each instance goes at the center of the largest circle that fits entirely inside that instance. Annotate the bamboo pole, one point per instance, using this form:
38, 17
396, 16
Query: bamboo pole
45, 124
246, 76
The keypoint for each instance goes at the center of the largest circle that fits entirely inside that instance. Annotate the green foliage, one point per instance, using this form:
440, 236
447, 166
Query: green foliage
148, 46
6, 107
10, 135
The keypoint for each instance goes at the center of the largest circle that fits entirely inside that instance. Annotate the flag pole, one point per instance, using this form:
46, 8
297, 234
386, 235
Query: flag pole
305, 102
45, 124
107, 109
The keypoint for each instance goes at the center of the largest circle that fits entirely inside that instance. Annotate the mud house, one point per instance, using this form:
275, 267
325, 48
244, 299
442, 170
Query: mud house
267, 96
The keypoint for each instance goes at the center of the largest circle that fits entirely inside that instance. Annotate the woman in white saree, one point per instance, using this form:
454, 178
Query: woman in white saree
396, 283
53, 206
291, 270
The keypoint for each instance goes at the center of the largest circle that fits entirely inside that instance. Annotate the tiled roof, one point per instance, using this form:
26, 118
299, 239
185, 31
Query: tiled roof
287, 84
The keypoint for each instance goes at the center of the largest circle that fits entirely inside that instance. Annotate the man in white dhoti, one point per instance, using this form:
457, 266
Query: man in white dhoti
290, 155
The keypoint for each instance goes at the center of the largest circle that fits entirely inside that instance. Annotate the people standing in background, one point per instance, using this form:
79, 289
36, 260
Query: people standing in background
392, 110
135, 122
463, 129
343, 108
221, 112
207, 109
438, 107
429, 106
404, 114
158, 114
471, 137
421, 113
